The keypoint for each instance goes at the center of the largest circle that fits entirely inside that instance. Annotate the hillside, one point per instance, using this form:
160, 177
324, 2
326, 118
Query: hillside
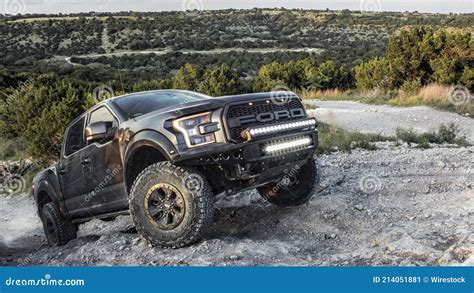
348, 37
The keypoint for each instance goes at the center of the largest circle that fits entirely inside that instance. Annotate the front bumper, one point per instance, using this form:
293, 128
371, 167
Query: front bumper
247, 164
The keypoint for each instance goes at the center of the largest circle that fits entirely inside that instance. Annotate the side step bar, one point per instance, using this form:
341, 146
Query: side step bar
108, 215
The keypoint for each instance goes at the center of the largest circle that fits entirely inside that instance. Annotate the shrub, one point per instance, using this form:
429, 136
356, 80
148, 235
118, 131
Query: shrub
187, 78
219, 81
39, 111
375, 74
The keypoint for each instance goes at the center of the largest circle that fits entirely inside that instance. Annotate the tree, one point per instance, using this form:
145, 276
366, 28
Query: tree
409, 53
187, 78
445, 70
270, 75
39, 111
375, 73
467, 78
219, 81
326, 76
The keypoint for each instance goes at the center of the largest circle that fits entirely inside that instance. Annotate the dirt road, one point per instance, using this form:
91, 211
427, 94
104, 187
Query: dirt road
397, 205
385, 119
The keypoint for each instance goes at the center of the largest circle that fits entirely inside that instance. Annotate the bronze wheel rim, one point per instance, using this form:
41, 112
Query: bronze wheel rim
165, 206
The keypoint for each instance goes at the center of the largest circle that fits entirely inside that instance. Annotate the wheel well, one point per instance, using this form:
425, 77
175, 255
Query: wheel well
141, 158
43, 198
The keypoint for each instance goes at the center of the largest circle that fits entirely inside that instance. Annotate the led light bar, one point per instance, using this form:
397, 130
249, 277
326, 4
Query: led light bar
298, 143
260, 131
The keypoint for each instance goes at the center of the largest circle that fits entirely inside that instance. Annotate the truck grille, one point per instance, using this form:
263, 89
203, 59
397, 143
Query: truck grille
250, 108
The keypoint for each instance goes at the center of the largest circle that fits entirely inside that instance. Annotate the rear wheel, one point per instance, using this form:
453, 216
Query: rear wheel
294, 188
59, 230
171, 206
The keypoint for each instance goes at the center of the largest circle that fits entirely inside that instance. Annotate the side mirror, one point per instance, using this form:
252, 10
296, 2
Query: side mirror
99, 131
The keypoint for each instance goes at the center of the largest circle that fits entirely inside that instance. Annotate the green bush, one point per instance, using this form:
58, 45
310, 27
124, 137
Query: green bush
445, 134
411, 87
39, 111
422, 54
374, 74
219, 81
187, 78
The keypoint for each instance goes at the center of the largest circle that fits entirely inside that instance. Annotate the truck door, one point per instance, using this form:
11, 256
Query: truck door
102, 167
70, 174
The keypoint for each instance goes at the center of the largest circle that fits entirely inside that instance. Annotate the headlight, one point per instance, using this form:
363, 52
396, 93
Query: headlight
197, 130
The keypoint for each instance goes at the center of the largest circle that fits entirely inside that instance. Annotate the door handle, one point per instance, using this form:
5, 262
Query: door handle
62, 171
85, 161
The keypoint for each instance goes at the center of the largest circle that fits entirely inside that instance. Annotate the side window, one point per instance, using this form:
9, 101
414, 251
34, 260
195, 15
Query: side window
75, 137
103, 114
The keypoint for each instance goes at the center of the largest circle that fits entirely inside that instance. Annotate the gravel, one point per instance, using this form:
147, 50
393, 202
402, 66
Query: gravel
393, 206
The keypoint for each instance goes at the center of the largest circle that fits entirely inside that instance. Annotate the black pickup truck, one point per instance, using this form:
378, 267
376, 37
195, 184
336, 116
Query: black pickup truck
161, 156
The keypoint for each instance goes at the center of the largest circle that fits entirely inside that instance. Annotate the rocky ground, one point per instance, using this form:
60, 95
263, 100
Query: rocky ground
394, 206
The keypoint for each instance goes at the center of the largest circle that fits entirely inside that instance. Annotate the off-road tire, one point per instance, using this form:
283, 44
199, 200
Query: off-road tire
300, 193
198, 205
58, 229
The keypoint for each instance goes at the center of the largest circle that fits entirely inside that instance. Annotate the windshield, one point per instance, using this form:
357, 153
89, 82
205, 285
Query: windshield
138, 104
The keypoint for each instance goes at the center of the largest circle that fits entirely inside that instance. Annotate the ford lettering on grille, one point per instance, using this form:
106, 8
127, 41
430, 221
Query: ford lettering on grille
266, 117
256, 113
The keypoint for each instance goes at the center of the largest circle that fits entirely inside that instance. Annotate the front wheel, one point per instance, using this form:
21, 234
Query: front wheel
171, 206
294, 188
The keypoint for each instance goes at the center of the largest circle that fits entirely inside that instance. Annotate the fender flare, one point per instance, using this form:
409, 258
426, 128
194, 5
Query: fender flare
153, 139
45, 186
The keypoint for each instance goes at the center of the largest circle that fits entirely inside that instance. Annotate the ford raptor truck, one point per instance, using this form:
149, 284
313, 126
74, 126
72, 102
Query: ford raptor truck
162, 156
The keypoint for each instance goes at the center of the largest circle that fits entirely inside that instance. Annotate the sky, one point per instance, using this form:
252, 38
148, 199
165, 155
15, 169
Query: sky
74, 6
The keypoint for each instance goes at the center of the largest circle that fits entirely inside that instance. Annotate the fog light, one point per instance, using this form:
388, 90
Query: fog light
288, 145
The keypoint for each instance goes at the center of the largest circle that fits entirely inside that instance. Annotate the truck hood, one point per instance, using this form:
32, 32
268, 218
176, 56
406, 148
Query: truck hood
210, 104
